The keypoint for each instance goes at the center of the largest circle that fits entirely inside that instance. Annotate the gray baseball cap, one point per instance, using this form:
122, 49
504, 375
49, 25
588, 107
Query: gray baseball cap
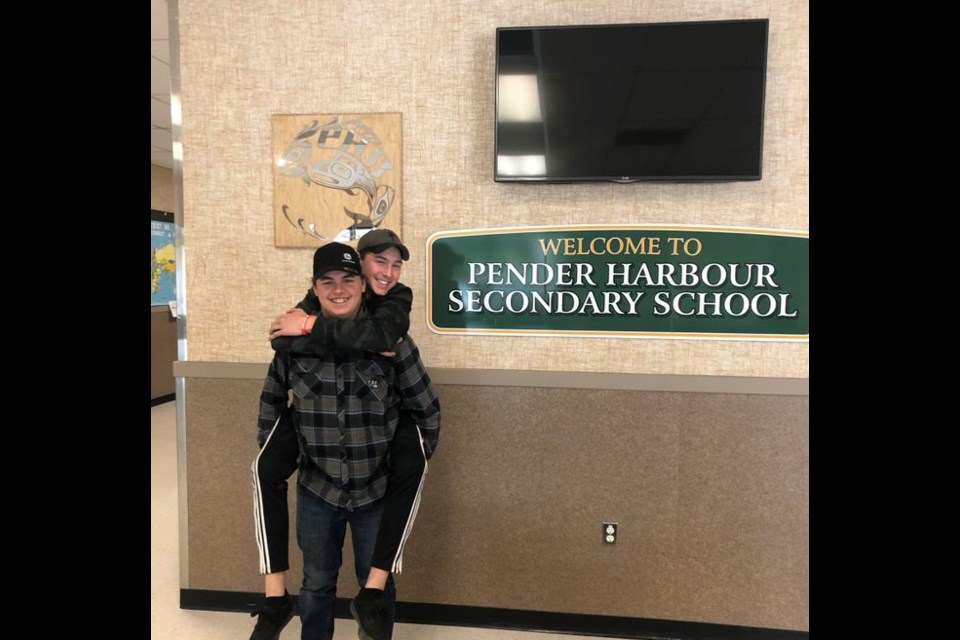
380, 240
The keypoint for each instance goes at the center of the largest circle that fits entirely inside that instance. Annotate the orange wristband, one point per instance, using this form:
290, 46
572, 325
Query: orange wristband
303, 327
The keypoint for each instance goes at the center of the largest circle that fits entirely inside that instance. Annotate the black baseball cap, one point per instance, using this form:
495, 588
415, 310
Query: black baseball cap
379, 240
336, 256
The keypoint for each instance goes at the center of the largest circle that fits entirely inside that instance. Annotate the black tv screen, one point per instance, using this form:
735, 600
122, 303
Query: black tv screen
672, 102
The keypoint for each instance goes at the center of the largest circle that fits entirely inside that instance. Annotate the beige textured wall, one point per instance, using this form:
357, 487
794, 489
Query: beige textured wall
161, 188
433, 61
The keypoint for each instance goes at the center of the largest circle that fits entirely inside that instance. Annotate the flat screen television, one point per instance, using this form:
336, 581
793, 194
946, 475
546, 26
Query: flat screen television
672, 102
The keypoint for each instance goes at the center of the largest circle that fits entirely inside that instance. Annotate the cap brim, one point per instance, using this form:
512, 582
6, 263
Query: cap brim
380, 248
325, 270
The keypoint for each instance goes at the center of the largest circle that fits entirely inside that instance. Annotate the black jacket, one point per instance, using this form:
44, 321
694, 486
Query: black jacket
387, 320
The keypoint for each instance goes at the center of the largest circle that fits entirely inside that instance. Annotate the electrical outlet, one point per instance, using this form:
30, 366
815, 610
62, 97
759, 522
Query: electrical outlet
610, 532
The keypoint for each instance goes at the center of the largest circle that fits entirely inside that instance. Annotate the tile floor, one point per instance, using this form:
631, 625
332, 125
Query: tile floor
169, 622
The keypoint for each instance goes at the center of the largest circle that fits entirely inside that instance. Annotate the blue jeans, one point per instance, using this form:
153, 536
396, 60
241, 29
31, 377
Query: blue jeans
320, 532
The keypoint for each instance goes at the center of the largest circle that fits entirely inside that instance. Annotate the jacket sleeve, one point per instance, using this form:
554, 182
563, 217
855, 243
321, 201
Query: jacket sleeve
294, 344
273, 398
379, 330
417, 395
310, 303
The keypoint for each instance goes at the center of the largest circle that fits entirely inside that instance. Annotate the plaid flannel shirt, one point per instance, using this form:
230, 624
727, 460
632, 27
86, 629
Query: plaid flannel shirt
346, 414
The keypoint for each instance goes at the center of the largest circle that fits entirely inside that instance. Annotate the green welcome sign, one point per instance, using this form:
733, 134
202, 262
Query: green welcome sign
643, 281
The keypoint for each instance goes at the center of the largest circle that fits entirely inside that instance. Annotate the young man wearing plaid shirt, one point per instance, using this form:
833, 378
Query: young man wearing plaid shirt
346, 412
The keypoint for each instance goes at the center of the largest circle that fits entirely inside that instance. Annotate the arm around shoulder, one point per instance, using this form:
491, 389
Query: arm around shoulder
387, 320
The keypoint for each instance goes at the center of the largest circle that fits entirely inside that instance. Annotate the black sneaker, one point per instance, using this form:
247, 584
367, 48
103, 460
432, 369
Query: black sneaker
371, 615
272, 615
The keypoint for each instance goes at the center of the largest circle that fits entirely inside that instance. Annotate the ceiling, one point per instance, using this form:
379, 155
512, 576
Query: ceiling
161, 134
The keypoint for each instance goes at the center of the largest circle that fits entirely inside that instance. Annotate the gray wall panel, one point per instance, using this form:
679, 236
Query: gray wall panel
710, 490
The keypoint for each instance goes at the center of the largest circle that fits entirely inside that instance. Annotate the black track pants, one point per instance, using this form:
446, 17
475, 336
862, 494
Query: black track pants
408, 471
277, 461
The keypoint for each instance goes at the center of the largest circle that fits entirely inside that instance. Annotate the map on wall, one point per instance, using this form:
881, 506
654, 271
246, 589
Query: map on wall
163, 258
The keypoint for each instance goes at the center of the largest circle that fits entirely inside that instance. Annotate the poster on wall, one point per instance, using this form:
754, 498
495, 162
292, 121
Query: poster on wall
335, 176
163, 258
635, 281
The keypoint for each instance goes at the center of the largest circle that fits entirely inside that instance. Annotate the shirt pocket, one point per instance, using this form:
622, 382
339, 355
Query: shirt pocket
373, 382
306, 376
